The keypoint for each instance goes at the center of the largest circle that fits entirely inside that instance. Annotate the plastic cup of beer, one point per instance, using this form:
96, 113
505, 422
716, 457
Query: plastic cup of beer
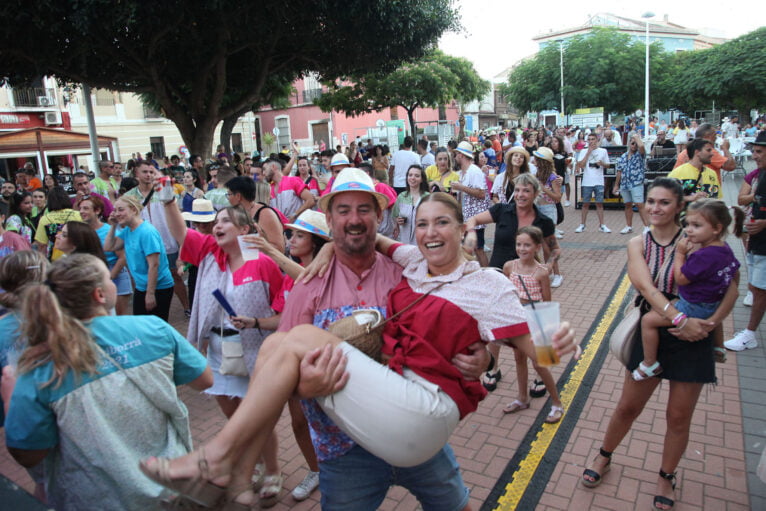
249, 252
543, 320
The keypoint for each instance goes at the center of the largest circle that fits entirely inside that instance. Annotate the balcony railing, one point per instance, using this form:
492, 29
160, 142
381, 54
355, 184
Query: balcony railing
34, 96
311, 94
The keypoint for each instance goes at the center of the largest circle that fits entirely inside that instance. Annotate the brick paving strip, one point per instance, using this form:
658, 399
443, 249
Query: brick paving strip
531, 467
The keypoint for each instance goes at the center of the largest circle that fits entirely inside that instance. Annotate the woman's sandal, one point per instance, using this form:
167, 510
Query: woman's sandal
659, 499
719, 354
554, 415
198, 489
644, 372
490, 380
258, 474
537, 389
232, 504
515, 406
595, 475
272, 487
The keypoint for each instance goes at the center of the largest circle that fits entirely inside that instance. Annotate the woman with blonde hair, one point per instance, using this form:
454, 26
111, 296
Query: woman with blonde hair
145, 255
96, 393
252, 288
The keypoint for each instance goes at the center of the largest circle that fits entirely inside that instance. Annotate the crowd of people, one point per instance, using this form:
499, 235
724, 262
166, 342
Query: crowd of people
268, 256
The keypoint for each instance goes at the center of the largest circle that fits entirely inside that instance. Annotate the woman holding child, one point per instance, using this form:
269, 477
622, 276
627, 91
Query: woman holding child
685, 352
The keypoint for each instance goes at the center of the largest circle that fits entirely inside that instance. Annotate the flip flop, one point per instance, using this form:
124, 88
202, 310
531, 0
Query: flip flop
515, 406
490, 380
537, 389
554, 415
719, 354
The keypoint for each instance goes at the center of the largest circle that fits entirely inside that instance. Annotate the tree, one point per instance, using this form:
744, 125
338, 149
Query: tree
207, 60
731, 74
603, 68
431, 81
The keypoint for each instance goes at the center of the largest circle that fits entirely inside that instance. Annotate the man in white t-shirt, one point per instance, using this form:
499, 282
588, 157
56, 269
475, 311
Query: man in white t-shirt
400, 162
426, 158
591, 162
472, 193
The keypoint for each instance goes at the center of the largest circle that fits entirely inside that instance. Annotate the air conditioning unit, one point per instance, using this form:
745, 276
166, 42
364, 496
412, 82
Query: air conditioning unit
52, 118
44, 101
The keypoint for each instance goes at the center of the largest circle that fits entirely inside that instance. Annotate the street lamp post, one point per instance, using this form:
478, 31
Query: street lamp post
647, 15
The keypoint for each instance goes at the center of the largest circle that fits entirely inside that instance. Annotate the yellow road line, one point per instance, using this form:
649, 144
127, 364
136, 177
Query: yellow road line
514, 490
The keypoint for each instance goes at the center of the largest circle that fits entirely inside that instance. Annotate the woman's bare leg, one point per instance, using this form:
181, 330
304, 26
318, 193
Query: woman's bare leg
634, 396
550, 384
681, 403
231, 455
522, 374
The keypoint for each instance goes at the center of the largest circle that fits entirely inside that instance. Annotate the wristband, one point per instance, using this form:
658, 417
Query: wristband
684, 324
679, 317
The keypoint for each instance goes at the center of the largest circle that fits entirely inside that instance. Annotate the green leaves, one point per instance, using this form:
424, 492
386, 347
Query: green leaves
431, 81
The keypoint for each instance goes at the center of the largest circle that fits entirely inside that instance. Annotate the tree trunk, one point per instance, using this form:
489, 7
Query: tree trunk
411, 117
199, 137
226, 129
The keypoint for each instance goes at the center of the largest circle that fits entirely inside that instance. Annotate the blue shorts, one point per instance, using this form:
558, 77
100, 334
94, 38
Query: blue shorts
756, 270
634, 194
696, 310
359, 480
124, 287
172, 258
593, 191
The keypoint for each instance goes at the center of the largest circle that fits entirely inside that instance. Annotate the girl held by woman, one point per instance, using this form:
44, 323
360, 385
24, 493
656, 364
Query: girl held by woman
704, 268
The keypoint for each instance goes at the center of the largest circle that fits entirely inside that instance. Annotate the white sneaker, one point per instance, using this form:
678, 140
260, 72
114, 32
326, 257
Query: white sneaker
559, 235
626, 230
744, 340
567, 203
604, 228
748, 301
557, 280
580, 228
307, 486
559, 231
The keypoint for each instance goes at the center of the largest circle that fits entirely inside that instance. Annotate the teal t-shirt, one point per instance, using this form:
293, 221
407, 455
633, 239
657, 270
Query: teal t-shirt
98, 427
139, 243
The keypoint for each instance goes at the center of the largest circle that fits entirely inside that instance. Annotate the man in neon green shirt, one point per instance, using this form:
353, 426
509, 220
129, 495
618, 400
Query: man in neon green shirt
698, 180
104, 184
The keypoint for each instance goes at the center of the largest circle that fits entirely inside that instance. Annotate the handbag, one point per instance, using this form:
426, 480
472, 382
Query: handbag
624, 335
233, 359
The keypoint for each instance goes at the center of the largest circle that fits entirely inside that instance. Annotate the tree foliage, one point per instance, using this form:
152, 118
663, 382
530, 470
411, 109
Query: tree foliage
604, 68
731, 74
206, 60
431, 81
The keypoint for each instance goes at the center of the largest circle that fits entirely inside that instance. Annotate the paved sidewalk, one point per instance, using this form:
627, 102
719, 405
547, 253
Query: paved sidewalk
516, 462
